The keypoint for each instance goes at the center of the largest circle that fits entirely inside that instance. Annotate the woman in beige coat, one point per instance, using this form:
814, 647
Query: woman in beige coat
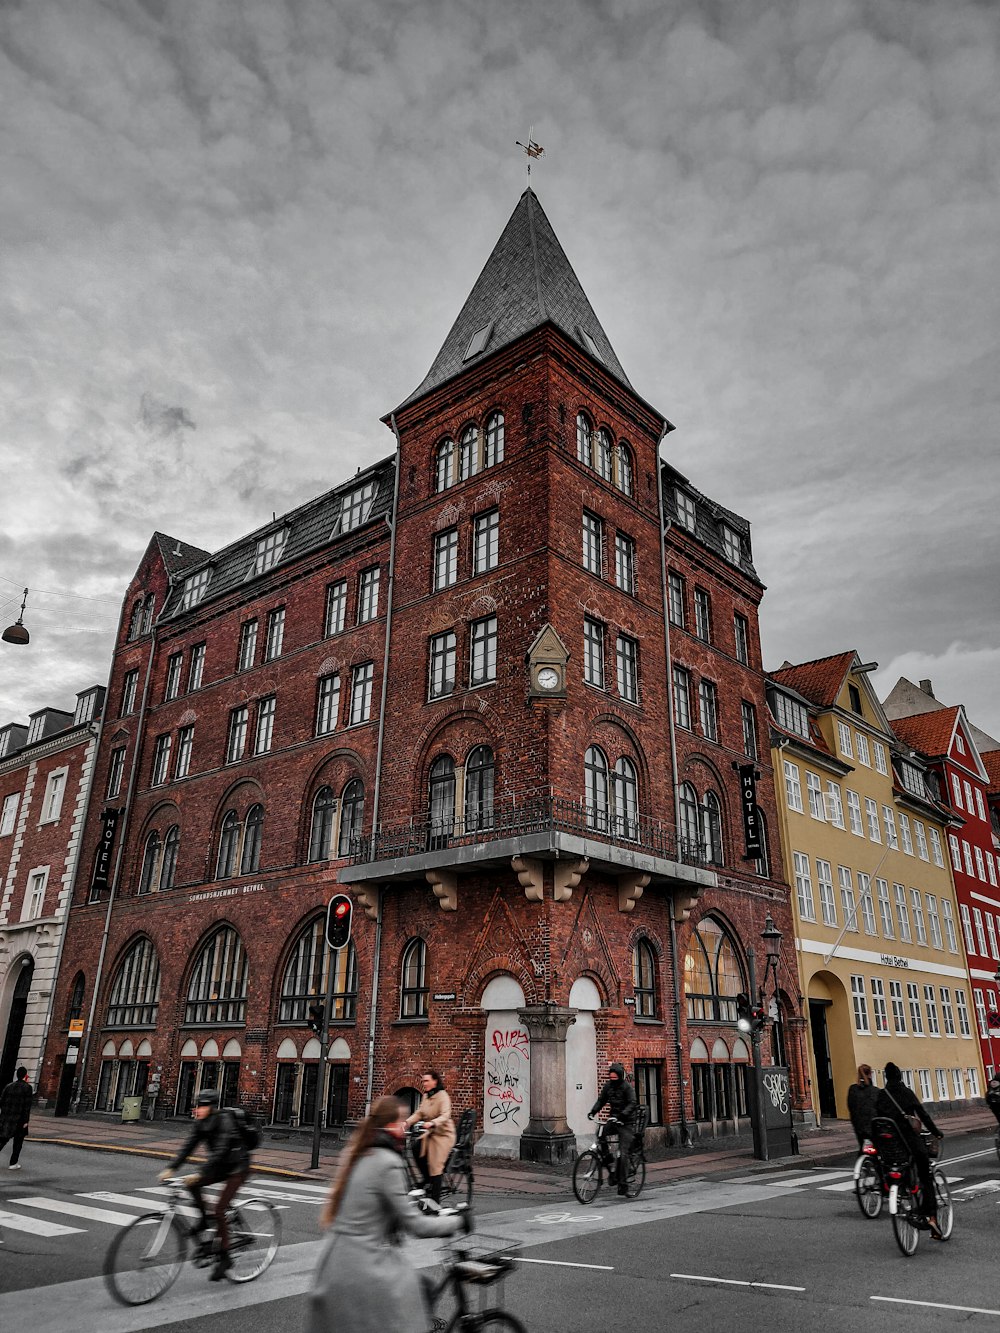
438, 1135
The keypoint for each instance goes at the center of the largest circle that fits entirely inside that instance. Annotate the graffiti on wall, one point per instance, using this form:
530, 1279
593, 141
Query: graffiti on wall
507, 1055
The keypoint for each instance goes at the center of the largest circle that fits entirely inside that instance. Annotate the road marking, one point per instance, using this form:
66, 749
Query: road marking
563, 1263
133, 1201
841, 1187
984, 1187
735, 1282
785, 1179
935, 1305
68, 1209
37, 1226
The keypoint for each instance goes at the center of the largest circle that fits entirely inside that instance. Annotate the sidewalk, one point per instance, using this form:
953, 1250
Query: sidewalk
817, 1148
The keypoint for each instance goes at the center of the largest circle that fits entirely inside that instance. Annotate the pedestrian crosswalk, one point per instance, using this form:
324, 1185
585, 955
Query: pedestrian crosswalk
55, 1215
842, 1182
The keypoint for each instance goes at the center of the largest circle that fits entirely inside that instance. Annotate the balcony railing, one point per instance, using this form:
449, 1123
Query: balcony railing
519, 819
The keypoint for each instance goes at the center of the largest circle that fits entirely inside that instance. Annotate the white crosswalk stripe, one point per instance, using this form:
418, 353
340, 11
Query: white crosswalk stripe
36, 1226
134, 1201
66, 1208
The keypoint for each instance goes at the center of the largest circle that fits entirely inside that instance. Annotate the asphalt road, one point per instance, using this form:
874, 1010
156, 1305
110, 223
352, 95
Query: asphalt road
785, 1247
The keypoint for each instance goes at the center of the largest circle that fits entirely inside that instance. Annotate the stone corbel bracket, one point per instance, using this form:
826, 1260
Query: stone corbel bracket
531, 876
566, 875
445, 886
683, 902
367, 895
630, 889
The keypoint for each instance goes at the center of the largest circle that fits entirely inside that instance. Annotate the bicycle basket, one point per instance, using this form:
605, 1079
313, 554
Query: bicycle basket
481, 1260
932, 1144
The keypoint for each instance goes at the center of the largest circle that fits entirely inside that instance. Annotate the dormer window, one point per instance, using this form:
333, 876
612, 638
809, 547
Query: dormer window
686, 511
854, 694
269, 550
36, 728
791, 715
732, 545
195, 588
913, 778
87, 705
592, 347
356, 506
478, 341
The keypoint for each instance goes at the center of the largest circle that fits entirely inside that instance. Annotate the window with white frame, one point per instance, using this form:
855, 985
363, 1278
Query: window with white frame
327, 703
275, 633
335, 615
902, 913
860, 1003
941, 1079
898, 1008
10, 803
958, 1083
968, 858
916, 1013
161, 760
936, 853
973, 1076
793, 786
844, 735
236, 739
908, 1078
980, 864
741, 636
749, 717
593, 652
195, 588
486, 542
947, 1013
445, 559
871, 812
921, 835
879, 1008
956, 788
675, 599
970, 943
627, 654
980, 808
593, 544
861, 741
361, 692
803, 887
880, 760
977, 916
981, 1021
130, 685
885, 909
196, 667
185, 745
913, 778
948, 918
682, 697
248, 645
708, 704
732, 545
703, 615
905, 840
625, 563
173, 686
442, 658
847, 904
686, 511
991, 932
791, 715
917, 909
967, 786
824, 878
355, 507
814, 788
933, 921
924, 1075
34, 897
867, 904
483, 654
833, 804
269, 549
962, 1009
368, 583
265, 724
854, 813
991, 869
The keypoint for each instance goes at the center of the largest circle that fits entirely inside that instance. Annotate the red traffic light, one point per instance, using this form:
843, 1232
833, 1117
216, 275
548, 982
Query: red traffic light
339, 914
342, 909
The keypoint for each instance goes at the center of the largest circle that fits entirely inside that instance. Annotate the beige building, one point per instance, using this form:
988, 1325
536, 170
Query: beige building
882, 966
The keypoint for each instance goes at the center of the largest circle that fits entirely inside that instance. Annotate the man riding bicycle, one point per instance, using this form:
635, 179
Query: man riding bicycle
619, 1096
228, 1163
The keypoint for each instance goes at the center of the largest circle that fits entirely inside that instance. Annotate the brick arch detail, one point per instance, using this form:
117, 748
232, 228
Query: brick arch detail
638, 753
476, 981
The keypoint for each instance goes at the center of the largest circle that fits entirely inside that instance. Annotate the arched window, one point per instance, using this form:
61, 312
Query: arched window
229, 846
441, 801
493, 452
135, 991
413, 981
168, 862
76, 995
252, 832
644, 979
468, 453
479, 787
626, 799
352, 816
444, 465
690, 833
150, 863
595, 772
135, 620
305, 977
711, 829
602, 454
583, 431
623, 477
147, 613
713, 976
218, 989
321, 834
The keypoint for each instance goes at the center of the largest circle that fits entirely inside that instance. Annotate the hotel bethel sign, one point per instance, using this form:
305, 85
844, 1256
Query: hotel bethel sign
102, 860
754, 848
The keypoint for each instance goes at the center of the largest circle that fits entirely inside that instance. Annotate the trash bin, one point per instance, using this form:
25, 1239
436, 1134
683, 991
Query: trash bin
131, 1108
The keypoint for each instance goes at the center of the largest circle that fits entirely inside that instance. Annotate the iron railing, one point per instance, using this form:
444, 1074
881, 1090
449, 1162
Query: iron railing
522, 818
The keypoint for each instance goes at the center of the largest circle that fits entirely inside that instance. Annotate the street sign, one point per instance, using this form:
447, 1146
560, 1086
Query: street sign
76, 1027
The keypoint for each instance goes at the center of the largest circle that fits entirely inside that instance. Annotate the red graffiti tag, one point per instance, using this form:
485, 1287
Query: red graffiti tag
515, 1040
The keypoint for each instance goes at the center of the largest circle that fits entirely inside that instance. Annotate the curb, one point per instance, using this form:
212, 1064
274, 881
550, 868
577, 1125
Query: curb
158, 1153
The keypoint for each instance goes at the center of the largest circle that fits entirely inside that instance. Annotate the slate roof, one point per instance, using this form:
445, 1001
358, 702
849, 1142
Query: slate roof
526, 282
177, 554
819, 681
311, 526
709, 518
929, 733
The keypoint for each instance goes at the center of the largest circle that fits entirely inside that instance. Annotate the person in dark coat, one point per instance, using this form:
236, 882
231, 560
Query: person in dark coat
861, 1098
364, 1282
993, 1095
619, 1096
218, 1133
15, 1112
897, 1102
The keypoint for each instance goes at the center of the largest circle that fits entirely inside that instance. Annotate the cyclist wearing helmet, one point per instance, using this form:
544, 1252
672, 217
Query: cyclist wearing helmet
218, 1134
619, 1096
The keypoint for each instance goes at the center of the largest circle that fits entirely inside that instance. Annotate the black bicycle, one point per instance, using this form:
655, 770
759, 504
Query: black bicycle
871, 1188
472, 1263
900, 1171
457, 1179
592, 1164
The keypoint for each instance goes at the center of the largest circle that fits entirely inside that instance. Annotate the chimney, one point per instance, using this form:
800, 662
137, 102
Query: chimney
927, 687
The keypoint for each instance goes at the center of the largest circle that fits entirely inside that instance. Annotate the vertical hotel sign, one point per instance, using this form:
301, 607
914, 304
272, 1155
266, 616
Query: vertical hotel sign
102, 861
754, 848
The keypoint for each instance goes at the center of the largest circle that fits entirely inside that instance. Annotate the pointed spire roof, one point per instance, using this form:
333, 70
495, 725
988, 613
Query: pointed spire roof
526, 282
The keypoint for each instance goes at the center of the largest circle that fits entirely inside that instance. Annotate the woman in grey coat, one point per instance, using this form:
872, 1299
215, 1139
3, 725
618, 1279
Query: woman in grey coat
364, 1282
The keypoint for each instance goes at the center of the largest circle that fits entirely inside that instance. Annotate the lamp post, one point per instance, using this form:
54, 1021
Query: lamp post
753, 1023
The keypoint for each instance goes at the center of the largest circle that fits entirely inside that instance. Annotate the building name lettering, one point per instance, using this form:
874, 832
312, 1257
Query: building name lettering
892, 960
234, 892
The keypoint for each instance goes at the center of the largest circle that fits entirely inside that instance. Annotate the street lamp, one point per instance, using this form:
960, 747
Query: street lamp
16, 633
771, 938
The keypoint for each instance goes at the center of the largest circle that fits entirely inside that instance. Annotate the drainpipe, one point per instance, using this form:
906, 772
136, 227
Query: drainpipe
377, 794
674, 778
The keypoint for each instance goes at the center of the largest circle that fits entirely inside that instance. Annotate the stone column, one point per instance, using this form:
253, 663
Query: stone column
547, 1137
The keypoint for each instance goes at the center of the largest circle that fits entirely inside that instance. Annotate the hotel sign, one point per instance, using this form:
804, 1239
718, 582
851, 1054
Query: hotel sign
754, 847
893, 960
102, 861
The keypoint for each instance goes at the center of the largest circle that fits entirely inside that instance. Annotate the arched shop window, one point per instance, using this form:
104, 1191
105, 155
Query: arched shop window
217, 993
135, 991
713, 976
305, 977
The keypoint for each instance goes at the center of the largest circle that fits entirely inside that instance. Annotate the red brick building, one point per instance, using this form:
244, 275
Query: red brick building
451, 684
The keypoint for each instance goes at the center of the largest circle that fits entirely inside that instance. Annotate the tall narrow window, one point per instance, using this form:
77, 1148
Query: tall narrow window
885, 909
583, 430
593, 652
218, 987
229, 846
135, 990
130, 684
275, 633
803, 887
595, 772
741, 634
441, 665
168, 862
161, 760
116, 769
441, 801
479, 788
623, 476
493, 447
445, 559
690, 828
675, 588
265, 724
149, 874
253, 831
486, 542
483, 656
444, 465
626, 799
352, 817
847, 898
827, 903
625, 563
324, 811
593, 544
644, 979
602, 454
749, 715
627, 655
185, 744
173, 686
196, 667
708, 703
413, 981
362, 677
687, 514
793, 786
327, 703
682, 697
368, 581
248, 645
237, 738
711, 825
703, 615
468, 453
335, 613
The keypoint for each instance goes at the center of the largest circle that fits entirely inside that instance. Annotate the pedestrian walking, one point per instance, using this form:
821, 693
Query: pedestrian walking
364, 1282
15, 1112
438, 1137
861, 1099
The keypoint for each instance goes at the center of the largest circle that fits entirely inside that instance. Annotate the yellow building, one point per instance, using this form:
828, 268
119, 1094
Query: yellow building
882, 964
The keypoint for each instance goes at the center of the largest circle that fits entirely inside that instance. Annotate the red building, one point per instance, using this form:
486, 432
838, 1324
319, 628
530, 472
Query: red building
452, 685
944, 737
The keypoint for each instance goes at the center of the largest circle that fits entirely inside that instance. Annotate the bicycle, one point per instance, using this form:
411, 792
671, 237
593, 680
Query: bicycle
590, 1165
145, 1258
473, 1262
457, 1177
870, 1186
900, 1170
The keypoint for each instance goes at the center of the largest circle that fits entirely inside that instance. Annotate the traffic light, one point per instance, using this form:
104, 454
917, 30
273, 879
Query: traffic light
339, 915
749, 1017
317, 1013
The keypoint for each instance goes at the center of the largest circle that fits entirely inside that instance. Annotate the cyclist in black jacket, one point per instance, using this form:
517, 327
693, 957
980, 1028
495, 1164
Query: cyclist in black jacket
619, 1095
897, 1102
218, 1133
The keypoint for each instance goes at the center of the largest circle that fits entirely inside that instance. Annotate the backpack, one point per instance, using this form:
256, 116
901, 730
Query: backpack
248, 1127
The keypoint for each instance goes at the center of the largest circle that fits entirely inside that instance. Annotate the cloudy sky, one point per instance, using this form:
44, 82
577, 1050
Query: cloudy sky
233, 233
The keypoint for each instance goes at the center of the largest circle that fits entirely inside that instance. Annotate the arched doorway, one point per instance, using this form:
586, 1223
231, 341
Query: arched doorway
581, 1055
831, 1043
15, 1022
506, 1100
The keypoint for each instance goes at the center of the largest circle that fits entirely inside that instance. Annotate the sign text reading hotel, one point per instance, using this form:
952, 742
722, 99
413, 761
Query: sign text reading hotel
893, 960
226, 893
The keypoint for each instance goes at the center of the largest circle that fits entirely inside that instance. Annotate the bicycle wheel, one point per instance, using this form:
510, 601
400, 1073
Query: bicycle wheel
636, 1177
494, 1321
457, 1180
587, 1176
145, 1258
254, 1237
868, 1189
903, 1228
945, 1207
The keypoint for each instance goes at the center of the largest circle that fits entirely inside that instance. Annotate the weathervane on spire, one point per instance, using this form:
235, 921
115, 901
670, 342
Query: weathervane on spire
530, 149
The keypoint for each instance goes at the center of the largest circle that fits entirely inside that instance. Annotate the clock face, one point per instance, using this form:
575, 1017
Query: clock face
548, 678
